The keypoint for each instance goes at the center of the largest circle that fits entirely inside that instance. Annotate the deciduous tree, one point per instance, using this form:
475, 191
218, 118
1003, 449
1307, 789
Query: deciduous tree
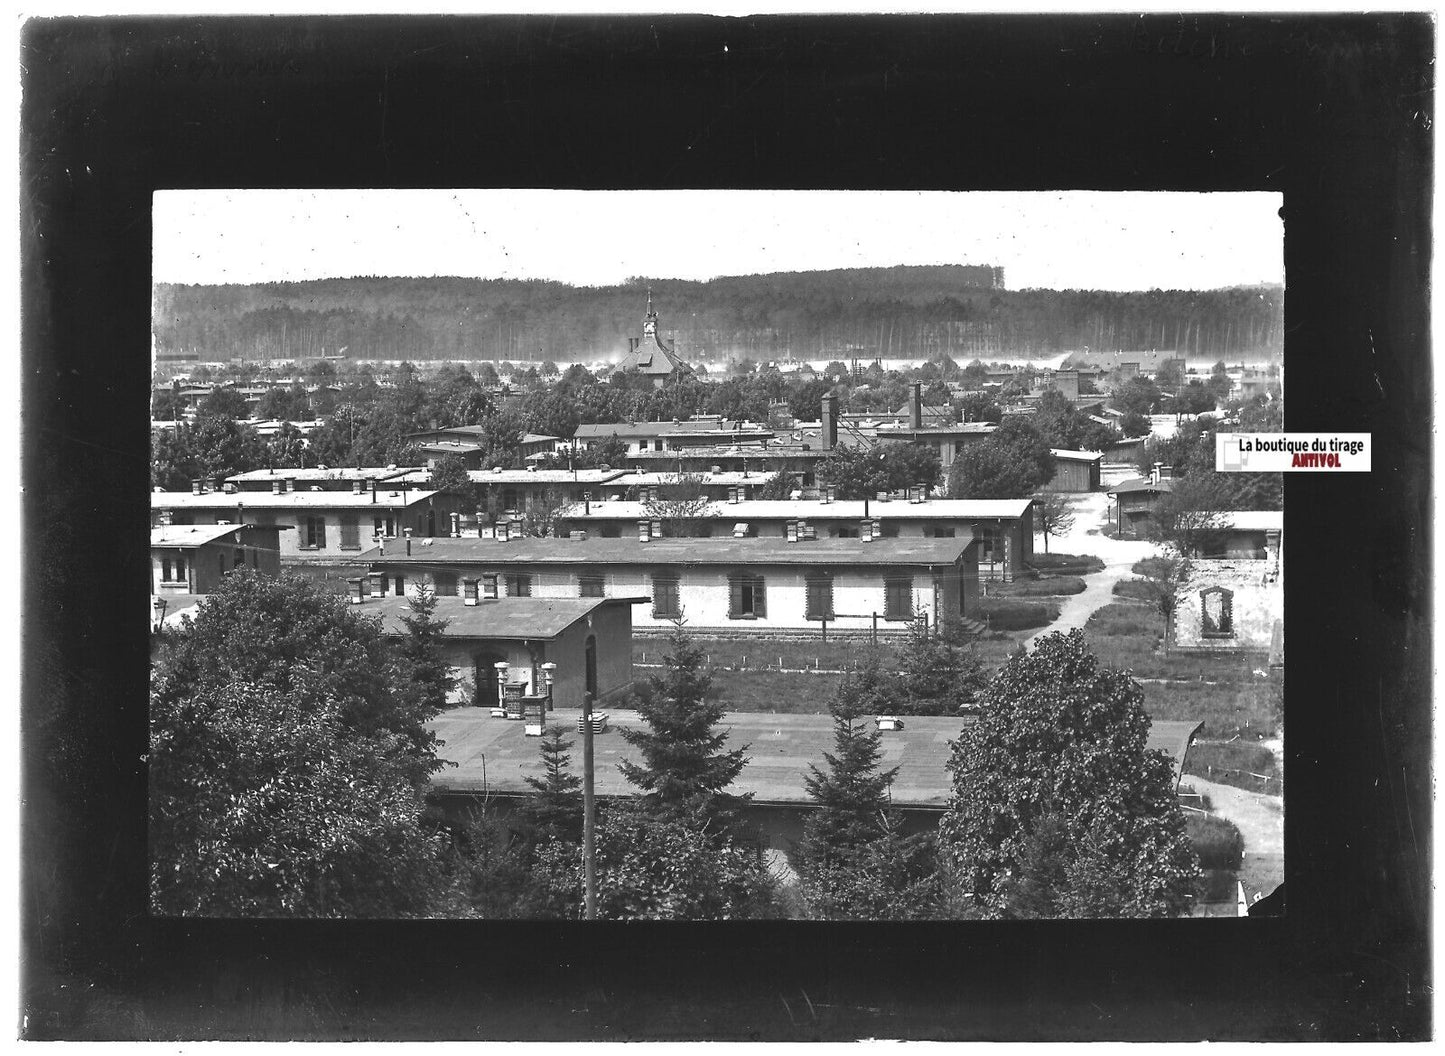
1058, 807
1011, 463
1052, 516
287, 769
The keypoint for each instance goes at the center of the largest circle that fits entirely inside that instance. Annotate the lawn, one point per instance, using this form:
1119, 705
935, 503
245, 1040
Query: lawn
757, 654
1134, 589
1245, 709
1067, 564
1009, 614
1042, 587
1236, 763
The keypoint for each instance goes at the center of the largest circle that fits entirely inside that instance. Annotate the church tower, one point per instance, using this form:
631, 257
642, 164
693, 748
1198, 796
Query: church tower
649, 321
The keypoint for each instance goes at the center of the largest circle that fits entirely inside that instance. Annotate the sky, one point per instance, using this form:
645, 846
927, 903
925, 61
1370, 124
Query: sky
1049, 240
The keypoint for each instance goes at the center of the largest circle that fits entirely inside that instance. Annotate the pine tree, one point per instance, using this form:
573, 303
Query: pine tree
555, 809
684, 768
854, 862
425, 674
937, 676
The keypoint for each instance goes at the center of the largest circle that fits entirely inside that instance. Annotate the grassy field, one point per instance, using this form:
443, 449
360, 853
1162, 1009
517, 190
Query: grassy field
1134, 589
1070, 564
1043, 587
1011, 614
1236, 763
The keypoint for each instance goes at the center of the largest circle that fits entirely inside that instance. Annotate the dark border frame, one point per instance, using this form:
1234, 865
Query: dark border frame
1334, 111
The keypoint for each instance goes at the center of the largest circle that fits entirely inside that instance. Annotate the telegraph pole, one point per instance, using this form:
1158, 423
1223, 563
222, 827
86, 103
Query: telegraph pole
589, 812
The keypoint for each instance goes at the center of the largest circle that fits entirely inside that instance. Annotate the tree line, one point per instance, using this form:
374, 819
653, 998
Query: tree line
900, 312
290, 759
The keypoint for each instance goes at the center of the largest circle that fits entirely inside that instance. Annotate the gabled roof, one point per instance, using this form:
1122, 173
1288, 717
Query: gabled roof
313, 474
483, 553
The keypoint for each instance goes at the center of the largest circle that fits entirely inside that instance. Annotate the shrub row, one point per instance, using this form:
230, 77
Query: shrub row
1041, 587
1009, 614
1075, 564
1135, 589
1217, 841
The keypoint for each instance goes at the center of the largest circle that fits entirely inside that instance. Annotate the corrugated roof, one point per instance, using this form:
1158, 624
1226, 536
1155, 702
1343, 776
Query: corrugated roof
779, 751
778, 551
504, 618
265, 500
815, 509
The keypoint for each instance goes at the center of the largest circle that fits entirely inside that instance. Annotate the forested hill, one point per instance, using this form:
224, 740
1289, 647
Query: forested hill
891, 312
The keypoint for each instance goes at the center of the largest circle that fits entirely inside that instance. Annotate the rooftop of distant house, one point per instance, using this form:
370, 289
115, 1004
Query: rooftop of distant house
1141, 484
505, 618
189, 536
804, 509
681, 551
265, 500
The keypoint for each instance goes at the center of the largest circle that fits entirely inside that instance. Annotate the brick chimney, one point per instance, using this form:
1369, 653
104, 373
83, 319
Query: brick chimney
456, 525
489, 586
165, 518
830, 422
378, 584
356, 486
275, 487
290, 484
355, 591
195, 487
469, 592
915, 405
644, 531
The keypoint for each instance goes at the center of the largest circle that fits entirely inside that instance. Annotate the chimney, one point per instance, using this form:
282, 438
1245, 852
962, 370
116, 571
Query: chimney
275, 487
883, 496
915, 405
501, 531
586, 503
355, 590
830, 422
210, 483
657, 529
1154, 473
915, 494
456, 524
290, 484
865, 531
1166, 472
578, 536
378, 584
165, 516
195, 487
644, 531
408, 544
489, 586
865, 506
373, 490
356, 486
469, 592
791, 531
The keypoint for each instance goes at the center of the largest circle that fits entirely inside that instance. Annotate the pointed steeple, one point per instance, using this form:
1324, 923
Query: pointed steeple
649, 322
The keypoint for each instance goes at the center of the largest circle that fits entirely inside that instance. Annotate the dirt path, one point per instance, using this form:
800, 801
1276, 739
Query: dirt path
1086, 537
1260, 819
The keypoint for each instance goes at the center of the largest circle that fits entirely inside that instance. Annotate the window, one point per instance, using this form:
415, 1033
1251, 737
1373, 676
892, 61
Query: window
843, 531
180, 569
747, 598
665, 604
445, 584
166, 570
591, 585
350, 532
509, 498
819, 596
887, 530
221, 559
240, 559
315, 533
1217, 612
519, 585
898, 597
385, 526
939, 531
401, 586
610, 531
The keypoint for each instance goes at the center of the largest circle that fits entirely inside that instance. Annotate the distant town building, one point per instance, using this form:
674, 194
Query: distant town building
651, 358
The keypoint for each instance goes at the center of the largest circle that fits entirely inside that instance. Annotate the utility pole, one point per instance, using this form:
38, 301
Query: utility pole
589, 813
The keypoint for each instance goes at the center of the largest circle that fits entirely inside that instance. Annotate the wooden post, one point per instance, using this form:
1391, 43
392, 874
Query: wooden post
825, 630
589, 813
875, 628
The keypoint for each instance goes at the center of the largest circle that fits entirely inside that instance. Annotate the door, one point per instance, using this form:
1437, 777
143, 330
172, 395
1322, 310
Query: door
484, 677
591, 666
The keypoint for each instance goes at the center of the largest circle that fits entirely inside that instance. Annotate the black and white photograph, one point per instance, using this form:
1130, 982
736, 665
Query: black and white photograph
693, 555
679, 527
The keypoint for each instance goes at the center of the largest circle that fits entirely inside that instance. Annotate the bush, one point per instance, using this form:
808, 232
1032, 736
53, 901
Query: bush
1131, 621
1007, 614
1217, 841
1075, 564
1135, 589
1043, 587
1217, 885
